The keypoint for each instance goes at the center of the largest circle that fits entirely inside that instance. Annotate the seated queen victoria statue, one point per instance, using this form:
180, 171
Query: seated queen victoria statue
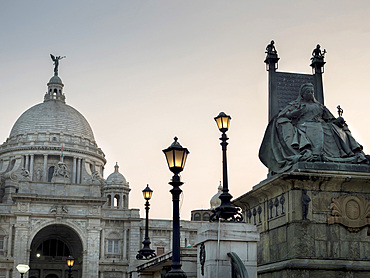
305, 130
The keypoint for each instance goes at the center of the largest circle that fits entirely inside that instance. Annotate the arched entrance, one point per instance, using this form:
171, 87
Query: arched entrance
49, 251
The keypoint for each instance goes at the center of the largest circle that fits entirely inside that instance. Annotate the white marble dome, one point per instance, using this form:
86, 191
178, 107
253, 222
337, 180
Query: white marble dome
49, 129
53, 116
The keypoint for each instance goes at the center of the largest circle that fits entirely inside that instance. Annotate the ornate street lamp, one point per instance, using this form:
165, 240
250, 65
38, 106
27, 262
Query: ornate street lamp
70, 263
146, 252
22, 269
226, 211
176, 157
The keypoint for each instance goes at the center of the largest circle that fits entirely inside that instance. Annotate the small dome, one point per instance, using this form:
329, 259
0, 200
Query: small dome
116, 177
215, 200
55, 80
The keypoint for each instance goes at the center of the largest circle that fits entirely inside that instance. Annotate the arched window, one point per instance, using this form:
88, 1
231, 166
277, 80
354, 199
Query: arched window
197, 216
206, 216
52, 276
116, 201
50, 173
2, 243
113, 245
53, 247
109, 203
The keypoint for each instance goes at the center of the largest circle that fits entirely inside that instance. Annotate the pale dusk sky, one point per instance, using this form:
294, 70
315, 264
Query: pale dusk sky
142, 72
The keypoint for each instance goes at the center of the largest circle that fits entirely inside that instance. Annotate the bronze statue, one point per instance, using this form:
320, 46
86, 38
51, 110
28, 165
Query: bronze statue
56, 62
340, 111
270, 48
305, 201
305, 130
316, 53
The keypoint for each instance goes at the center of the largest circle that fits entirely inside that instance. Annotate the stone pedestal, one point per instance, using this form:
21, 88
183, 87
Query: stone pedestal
219, 240
325, 236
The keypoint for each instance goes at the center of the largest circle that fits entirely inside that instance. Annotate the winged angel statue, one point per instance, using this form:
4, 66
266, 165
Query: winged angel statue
56, 62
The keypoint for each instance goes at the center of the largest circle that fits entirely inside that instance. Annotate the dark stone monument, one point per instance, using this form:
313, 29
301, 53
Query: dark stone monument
301, 128
314, 207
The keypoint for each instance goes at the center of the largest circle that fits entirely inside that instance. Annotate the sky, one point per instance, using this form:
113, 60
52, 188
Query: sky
143, 72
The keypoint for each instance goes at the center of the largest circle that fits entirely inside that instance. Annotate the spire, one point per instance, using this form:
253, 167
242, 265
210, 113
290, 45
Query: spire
116, 168
55, 85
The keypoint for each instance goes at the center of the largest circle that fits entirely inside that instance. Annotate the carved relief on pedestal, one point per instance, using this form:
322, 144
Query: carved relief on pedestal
94, 210
23, 207
19, 175
37, 223
351, 211
58, 209
61, 173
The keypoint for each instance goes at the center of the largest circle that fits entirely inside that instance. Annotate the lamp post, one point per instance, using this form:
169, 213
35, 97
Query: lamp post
176, 157
146, 252
70, 263
226, 211
22, 269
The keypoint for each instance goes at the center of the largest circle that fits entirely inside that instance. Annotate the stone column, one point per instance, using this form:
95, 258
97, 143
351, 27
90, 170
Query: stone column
45, 174
127, 199
125, 244
112, 200
74, 170
21, 248
121, 204
102, 239
78, 170
91, 258
27, 164
31, 165
83, 167
9, 243
219, 240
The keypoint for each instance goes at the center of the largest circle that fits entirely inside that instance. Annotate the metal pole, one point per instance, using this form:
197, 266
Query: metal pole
147, 221
226, 211
176, 270
146, 252
224, 144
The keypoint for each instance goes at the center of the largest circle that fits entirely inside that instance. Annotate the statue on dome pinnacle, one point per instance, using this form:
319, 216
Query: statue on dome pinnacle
56, 62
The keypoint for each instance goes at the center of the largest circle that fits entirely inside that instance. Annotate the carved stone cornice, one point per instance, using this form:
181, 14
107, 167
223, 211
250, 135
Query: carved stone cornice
352, 211
98, 154
22, 197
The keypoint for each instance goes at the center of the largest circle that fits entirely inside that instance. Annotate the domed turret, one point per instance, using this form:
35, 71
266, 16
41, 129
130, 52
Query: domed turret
116, 177
215, 200
116, 189
55, 89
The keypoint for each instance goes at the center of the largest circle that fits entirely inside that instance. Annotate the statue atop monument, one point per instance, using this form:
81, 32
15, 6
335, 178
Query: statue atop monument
317, 54
305, 130
270, 49
56, 62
